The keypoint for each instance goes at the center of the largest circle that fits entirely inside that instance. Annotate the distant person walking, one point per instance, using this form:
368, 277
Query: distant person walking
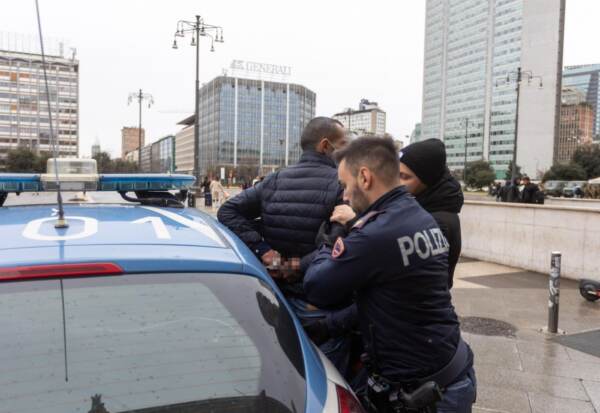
218, 193
529, 195
514, 194
205, 187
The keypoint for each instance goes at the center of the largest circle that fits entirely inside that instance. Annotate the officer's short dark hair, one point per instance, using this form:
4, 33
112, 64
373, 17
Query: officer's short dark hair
377, 153
319, 128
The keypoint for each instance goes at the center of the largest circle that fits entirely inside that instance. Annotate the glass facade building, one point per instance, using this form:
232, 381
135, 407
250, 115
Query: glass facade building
252, 124
159, 157
24, 119
585, 79
469, 46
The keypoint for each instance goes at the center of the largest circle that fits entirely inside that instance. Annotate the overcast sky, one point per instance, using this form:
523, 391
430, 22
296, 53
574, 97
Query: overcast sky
343, 50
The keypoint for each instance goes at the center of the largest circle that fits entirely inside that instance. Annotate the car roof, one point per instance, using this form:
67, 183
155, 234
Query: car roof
139, 238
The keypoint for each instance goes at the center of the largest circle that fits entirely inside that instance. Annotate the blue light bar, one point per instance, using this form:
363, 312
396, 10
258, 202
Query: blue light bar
20, 183
10, 182
144, 182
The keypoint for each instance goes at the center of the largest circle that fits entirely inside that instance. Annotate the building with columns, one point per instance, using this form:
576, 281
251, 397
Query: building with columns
249, 125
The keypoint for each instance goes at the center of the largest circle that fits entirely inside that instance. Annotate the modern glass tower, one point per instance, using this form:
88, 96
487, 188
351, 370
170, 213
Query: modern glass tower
473, 49
585, 79
252, 124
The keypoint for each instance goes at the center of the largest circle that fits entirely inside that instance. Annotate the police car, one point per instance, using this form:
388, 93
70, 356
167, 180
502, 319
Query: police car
144, 306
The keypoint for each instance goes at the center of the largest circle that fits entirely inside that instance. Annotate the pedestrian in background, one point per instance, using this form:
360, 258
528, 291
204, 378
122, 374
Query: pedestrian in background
205, 187
529, 193
513, 194
218, 193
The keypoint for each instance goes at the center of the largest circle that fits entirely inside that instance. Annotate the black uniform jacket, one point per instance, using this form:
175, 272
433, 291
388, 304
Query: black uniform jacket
395, 259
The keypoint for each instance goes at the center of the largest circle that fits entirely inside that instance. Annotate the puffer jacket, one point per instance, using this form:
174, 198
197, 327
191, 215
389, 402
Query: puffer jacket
285, 211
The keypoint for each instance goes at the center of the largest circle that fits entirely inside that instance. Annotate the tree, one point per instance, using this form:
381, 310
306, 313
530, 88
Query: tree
124, 166
479, 174
588, 157
104, 163
457, 174
508, 175
21, 160
41, 162
565, 172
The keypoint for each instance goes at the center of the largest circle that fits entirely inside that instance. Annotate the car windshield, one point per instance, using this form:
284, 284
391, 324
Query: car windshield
574, 184
148, 343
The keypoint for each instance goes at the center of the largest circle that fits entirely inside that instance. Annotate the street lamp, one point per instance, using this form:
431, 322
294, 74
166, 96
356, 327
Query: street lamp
518, 77
140, 97
198, 29
466, 123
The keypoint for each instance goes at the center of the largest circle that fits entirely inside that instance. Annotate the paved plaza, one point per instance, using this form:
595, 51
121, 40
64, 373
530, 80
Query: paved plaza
528, 371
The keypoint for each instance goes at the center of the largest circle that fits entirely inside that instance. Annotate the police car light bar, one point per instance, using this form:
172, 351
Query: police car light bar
20, 183
90, 182
144, 182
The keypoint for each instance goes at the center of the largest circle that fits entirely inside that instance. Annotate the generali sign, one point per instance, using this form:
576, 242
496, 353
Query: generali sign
261, 68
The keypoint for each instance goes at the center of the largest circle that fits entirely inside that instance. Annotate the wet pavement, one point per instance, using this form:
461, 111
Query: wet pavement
528, 372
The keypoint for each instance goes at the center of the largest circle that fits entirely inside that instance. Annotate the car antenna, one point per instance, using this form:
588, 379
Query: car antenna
61, 223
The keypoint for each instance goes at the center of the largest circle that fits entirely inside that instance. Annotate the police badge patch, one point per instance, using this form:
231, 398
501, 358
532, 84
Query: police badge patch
338, 248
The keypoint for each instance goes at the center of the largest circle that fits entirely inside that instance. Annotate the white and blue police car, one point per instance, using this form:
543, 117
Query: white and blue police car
144, 306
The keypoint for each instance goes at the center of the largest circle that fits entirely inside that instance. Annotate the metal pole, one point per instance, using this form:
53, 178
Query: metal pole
197, 112
554, 287
465, 165
140, 96
513, 173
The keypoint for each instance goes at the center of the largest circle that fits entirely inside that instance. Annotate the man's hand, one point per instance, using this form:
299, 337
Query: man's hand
271, 258
290, 270
342, 214
272, 261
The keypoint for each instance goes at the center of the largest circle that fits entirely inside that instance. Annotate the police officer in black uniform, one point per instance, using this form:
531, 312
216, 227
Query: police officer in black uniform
395, 260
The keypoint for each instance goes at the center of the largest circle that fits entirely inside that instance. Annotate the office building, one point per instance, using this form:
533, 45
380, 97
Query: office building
163, 155
146, 161
184, 146
252, 125
133, 156
24, 116
96, 149
473, 49
576, 124
585, 79
369, 119
130, 140
415, 136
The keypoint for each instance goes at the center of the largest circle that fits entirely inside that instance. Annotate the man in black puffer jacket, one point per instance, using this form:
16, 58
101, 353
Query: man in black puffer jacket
280, 217
291, 203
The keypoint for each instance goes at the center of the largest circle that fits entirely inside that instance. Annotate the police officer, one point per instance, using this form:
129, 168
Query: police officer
395, 260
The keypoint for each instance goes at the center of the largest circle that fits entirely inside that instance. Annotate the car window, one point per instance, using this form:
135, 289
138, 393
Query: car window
148, 343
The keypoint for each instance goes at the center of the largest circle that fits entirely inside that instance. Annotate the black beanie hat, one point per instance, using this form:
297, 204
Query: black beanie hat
427, 159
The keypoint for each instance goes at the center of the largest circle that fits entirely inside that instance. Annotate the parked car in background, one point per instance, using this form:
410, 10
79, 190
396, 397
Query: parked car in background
574, 189
554, 188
